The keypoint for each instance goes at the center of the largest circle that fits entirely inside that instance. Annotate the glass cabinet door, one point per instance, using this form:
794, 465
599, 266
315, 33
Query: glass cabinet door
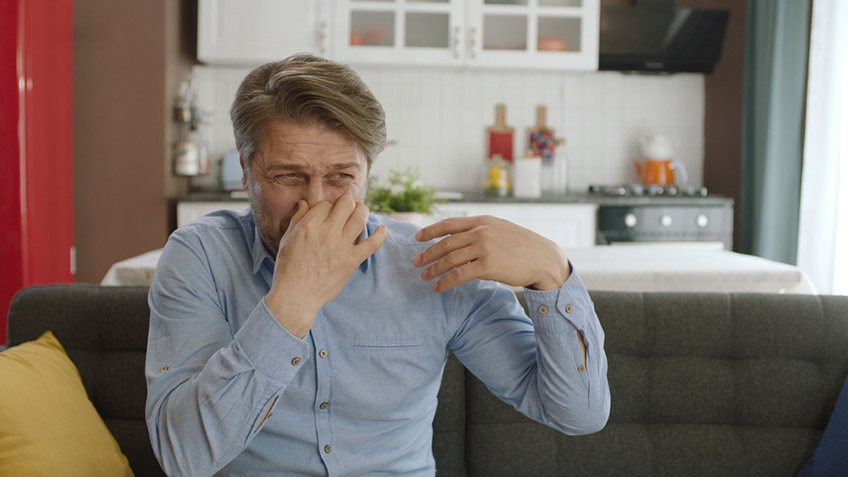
534, 33
372, 28
400, 31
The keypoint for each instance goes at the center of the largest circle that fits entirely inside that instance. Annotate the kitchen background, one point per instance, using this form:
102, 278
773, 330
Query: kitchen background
436, 119
130, 58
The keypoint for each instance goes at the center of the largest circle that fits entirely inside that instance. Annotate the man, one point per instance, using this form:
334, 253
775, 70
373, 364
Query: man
304, 336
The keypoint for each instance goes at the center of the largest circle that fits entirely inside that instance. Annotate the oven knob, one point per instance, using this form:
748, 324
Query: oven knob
665, 220
630, 220
702, 220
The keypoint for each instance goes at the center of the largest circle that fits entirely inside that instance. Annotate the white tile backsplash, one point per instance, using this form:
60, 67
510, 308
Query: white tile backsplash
436, 119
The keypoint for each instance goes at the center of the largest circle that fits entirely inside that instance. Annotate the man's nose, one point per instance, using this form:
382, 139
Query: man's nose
314, 192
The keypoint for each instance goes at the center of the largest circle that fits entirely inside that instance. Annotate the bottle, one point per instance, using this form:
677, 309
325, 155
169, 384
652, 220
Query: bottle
497, 181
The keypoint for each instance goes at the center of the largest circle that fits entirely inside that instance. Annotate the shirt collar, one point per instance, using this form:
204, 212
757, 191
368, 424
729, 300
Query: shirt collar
258, 253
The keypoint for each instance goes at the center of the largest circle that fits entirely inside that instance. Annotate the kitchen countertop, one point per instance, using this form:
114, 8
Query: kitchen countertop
478, 196
586, 198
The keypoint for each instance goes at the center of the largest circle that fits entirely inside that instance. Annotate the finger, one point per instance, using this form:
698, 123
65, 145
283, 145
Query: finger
455, 259
356, 222
367, 247
341, 210
448, 226
319, 211
302, 209
446, 246
458, 276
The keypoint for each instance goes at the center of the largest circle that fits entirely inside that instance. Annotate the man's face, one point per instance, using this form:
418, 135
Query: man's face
294, 163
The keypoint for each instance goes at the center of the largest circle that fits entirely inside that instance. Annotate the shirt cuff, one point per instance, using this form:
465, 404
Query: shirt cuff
271, 349
565, 309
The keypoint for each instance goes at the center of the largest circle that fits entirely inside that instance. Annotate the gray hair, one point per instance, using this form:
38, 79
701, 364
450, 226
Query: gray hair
307, 91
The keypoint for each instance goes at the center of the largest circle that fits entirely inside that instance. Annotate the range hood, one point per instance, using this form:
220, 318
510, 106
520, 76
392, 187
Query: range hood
660, 39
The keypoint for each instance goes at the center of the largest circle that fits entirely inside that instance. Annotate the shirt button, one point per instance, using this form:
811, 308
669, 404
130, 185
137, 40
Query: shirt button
543, 309
323, 353
163, 368
328, 449
324, 405
581, 368
568, 308
295, 361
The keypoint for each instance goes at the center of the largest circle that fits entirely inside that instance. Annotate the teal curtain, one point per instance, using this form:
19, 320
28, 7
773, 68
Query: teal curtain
776, 45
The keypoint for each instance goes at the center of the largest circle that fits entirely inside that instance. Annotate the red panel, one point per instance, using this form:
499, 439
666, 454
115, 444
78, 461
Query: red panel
36, 144
10, 214
49, 142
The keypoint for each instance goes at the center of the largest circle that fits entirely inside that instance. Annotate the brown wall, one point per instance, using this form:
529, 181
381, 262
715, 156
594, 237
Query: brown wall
723, 91
129, 58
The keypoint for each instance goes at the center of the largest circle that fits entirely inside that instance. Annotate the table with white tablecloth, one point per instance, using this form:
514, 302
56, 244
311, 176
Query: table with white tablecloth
654, 267
684, 268
134, 271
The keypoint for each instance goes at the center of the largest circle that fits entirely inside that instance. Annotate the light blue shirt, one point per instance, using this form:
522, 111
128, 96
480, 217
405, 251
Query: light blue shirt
230, 391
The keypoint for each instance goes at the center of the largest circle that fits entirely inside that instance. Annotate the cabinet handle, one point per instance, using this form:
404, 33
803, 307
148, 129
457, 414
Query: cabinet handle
457, 42
701, 220
665, 221
472, 42
630, 220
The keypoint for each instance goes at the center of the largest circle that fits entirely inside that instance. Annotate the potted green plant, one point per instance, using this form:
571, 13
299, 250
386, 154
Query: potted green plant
403, 196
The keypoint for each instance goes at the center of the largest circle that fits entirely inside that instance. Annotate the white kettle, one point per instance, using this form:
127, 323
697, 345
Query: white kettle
659, 168
657, 147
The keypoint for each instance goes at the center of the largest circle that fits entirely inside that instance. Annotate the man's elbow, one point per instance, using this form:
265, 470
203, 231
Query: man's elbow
592, 423
172, 456
589, 421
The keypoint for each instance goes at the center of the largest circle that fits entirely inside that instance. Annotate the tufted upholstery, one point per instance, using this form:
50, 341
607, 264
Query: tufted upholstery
702, 384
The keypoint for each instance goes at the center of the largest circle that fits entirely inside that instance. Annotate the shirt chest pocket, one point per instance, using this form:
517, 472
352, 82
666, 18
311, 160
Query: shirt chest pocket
394, 360
388, 345
389, 377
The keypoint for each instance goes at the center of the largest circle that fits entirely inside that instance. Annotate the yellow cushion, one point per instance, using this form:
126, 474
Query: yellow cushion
47, 424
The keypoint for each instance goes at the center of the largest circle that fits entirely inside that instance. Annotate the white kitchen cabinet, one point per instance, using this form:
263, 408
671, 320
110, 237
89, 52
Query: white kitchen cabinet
546, 34
400, 31
253, 32
549, 34
568, 225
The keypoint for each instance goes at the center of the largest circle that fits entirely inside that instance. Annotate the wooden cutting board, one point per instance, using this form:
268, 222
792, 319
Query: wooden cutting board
541, 137
500, 135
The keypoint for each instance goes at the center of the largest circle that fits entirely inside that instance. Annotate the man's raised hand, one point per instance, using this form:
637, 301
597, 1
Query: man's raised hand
491, 249
318, 254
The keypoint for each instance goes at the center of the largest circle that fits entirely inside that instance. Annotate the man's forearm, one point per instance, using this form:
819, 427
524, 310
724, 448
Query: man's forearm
201, 410
572, 367
553, 370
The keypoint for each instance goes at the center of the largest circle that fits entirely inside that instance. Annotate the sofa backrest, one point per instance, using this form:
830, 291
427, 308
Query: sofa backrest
701, 384
104, 331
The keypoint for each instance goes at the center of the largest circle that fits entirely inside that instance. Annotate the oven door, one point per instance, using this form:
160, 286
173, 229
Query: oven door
665, 223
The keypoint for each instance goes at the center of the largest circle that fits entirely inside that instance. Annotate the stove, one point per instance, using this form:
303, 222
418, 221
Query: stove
653, 213
640, 190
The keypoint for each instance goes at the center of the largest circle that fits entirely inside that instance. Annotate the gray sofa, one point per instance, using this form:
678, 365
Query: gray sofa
702, 384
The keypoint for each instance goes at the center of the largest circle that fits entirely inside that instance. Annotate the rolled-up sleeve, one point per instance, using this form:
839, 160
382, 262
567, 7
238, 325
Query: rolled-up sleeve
535, 363
208, 389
